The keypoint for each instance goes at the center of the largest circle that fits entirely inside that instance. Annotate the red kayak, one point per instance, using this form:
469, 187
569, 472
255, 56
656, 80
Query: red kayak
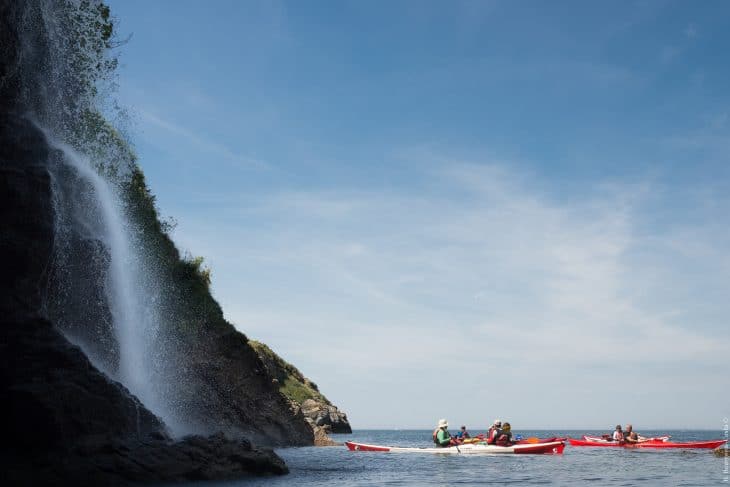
650, 444
480, 448
608, 439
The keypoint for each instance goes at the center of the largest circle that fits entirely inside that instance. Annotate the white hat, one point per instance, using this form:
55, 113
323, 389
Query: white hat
443, 423
497, 421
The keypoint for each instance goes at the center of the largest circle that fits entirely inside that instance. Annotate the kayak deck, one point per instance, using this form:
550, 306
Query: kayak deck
649, 444
600, 439
481, 448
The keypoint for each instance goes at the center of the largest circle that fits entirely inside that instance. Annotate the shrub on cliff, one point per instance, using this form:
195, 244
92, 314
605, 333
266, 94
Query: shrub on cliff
292, 382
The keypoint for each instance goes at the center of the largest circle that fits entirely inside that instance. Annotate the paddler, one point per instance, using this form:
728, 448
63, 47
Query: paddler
505, 435
494, 431
441, 435
462, 435
618, 435
631, 436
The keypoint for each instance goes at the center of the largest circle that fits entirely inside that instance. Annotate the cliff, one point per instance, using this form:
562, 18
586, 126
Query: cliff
304, 395
67, 423
80, 392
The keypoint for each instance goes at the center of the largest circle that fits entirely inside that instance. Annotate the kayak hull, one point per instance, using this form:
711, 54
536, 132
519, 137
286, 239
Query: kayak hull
549, 448
649, 444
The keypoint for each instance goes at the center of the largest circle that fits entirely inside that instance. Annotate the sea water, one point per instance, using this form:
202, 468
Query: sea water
336, 465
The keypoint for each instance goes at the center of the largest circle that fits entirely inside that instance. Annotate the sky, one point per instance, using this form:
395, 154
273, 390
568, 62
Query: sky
469, 210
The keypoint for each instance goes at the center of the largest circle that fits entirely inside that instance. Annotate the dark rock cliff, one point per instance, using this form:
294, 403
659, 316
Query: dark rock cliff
66, 421
214, 379
69, 422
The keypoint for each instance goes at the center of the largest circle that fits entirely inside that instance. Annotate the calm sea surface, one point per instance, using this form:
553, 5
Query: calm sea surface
314, 466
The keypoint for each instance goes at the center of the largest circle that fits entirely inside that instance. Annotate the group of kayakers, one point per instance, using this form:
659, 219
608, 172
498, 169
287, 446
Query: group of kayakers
501, 434
627, 435
498, 434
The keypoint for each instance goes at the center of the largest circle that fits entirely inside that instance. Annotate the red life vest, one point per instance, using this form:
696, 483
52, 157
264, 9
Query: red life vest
492, 435
503, 440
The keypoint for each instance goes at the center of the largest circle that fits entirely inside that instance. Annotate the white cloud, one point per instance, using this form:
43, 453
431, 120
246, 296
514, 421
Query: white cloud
482, 274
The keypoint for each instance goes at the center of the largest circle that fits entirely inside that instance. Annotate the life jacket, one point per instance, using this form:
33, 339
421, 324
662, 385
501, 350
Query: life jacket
492, 435
503, 440
436, 437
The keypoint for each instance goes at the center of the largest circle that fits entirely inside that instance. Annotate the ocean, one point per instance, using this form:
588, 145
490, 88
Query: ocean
319, 466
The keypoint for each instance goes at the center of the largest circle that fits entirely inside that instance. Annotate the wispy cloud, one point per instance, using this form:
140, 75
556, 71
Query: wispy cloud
202, 143
483, 263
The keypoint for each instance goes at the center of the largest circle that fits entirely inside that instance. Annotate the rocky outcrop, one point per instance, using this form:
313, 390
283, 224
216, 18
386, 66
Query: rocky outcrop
304, 396
325, 415
66, 422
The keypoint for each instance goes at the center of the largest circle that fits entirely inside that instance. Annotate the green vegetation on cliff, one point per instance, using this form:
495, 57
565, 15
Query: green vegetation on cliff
292, 382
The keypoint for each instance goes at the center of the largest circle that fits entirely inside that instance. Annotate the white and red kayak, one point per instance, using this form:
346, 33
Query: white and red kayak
480, 448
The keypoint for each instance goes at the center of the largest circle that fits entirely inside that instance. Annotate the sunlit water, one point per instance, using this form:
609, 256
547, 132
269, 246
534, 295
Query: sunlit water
577, 466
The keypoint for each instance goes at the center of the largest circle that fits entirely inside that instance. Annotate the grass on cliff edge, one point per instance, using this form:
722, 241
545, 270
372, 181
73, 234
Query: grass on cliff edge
292, 383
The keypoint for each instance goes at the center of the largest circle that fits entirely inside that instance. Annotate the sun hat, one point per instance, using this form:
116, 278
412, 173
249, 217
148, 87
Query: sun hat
443, 423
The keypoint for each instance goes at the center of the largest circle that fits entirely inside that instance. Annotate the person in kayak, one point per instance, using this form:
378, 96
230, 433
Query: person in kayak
494, 431
631, 436
441, 435
463, 434
618, 435
505, 435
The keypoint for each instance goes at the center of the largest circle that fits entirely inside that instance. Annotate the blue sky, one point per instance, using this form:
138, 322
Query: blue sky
523, 204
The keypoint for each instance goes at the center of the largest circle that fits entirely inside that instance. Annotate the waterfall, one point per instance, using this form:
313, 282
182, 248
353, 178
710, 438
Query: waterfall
105, 289
102, 219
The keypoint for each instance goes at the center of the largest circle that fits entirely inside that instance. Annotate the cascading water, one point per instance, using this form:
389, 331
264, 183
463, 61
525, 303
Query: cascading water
101, 219
104, 290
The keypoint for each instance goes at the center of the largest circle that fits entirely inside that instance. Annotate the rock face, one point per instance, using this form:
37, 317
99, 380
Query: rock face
231, 391
45, 75
304, 395
67, 423
325, 415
